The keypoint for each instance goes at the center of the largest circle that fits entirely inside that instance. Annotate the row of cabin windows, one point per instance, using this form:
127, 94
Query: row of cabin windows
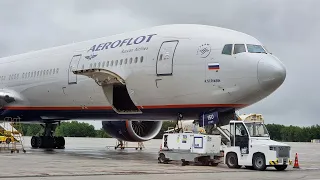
33, 74
240, 48
40, 73
116, 62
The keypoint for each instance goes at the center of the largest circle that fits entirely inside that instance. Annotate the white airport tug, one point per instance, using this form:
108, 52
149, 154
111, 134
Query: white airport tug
241, 143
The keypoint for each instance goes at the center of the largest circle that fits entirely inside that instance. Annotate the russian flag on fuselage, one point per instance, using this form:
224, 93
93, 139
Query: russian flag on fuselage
213, 66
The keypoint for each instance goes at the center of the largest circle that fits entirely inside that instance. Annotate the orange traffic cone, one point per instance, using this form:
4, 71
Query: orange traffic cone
296, 162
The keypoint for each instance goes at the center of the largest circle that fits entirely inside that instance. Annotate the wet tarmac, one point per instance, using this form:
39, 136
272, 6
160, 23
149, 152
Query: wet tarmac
86, 158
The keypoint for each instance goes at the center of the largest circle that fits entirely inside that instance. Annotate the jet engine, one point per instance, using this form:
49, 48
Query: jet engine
132, 131
8, 97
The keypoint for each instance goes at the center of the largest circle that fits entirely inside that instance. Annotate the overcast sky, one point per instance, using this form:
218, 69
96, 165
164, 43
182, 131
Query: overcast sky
289, 29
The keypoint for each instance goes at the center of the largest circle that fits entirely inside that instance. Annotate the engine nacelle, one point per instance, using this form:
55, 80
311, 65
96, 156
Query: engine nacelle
8, 97
133, 131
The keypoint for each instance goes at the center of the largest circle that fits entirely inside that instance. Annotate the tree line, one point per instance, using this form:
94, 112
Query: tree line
66, 129
293, 133
76, 129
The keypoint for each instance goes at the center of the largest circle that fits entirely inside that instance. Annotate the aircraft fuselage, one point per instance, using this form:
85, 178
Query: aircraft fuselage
150, 74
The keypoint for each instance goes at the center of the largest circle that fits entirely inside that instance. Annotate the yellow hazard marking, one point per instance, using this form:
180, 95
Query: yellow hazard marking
273, 162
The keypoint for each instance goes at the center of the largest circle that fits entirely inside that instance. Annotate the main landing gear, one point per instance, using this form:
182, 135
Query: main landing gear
48, 140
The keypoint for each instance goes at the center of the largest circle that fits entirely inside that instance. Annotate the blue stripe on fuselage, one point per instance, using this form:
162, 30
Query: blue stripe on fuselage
148, 114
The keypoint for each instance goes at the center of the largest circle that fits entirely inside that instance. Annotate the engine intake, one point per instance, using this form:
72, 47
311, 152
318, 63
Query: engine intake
133, 131
8, 97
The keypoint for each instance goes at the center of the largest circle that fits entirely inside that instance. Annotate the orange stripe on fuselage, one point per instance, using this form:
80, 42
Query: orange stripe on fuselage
64, 108
59, 108
191, 106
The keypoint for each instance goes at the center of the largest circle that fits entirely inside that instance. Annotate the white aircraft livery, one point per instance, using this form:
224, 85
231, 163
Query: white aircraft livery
133, 81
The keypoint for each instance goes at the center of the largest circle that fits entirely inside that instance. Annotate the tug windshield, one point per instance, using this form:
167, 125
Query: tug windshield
257, 129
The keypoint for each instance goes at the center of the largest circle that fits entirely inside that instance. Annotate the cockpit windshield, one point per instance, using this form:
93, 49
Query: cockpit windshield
257, 129
255, 48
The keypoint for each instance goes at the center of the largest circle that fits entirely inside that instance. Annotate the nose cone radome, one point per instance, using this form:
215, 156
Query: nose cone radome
271, 73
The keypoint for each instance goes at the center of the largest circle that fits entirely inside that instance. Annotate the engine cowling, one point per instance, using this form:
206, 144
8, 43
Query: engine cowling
132, 131
8, 97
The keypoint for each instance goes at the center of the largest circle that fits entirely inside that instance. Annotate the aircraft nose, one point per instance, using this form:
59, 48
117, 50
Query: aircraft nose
271, 73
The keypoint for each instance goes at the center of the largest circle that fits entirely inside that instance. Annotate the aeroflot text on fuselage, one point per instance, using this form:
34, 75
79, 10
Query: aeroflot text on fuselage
120, 43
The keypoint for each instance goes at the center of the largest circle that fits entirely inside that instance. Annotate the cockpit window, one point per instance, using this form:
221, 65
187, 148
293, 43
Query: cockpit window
239, 48
227, 49
255, 48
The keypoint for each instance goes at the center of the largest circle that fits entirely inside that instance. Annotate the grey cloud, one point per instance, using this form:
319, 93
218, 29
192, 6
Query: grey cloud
289, 28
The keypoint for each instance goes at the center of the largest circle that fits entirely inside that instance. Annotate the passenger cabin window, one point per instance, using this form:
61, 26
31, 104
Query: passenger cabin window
239, 48
227, 49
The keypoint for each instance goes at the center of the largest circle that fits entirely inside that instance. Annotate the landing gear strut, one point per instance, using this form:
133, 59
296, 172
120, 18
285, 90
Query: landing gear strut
48, 140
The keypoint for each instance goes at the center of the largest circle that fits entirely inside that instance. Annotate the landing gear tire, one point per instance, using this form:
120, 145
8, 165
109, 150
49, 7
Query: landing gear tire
161, 158
41, 142
47, 140
280, 167
259, 162
232, 160
34, 142
8, 140
59, 142
184, 162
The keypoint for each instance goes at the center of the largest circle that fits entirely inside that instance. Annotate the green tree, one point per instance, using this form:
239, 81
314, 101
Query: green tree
293, 133
75, 129
274, 131
102, 134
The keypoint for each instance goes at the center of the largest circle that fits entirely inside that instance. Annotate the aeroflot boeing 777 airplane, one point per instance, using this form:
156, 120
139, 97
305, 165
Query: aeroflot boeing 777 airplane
132, 81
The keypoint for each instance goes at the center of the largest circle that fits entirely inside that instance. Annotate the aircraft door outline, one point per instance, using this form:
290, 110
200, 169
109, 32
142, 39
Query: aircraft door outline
164, 64
74, 63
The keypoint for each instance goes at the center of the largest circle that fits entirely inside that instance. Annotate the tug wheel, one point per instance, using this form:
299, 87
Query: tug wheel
161, 158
